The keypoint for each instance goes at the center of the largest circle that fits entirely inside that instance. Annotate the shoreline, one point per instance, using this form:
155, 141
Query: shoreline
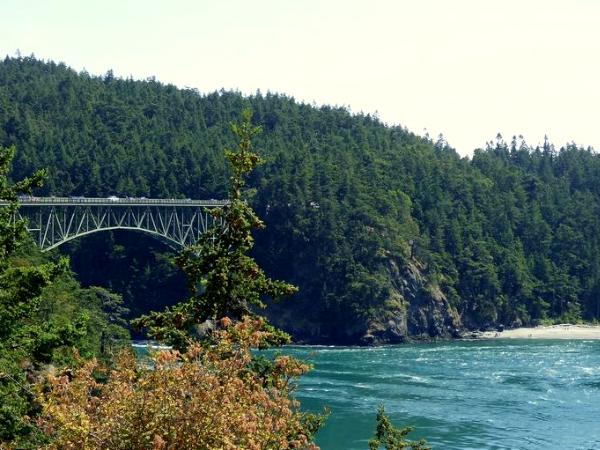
560, 331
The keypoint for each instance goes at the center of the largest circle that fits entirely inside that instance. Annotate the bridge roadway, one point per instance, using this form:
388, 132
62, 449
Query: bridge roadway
27, 200
55, 220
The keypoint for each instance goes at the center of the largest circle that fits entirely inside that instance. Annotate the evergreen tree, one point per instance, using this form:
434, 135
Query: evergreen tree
344, 198
223, 279
391, 438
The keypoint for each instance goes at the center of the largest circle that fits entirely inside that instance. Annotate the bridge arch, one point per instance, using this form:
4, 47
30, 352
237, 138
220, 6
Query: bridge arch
170, 242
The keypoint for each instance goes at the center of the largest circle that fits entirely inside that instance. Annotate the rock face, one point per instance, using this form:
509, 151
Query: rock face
414, 308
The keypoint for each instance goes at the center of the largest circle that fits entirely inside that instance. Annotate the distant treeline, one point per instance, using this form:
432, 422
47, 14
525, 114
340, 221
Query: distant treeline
511, 235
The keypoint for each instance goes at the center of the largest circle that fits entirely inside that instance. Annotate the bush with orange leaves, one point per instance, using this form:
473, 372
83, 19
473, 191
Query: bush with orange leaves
206, 398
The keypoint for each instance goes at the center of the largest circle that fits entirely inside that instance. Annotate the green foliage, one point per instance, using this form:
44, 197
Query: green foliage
510, 235
43, 314
20, 289
391, 438
90, 320
224, 281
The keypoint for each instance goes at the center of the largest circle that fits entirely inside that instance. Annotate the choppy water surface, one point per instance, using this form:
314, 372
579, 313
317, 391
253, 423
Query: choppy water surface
460, 395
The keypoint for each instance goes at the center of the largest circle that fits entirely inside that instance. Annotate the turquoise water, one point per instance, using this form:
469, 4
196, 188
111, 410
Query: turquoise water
460, 395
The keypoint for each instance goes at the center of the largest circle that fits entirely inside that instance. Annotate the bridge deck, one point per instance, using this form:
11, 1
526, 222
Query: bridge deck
125, 201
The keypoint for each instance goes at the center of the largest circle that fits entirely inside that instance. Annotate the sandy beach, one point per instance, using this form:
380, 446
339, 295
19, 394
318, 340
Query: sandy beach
562, 331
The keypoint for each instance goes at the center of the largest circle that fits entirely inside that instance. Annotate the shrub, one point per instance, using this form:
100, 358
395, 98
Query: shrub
205, 398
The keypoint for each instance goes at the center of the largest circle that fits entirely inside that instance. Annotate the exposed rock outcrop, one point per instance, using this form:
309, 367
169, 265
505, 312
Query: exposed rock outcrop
415, 308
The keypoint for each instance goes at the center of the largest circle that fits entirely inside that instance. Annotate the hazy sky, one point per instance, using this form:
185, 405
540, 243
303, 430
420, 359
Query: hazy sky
466, 68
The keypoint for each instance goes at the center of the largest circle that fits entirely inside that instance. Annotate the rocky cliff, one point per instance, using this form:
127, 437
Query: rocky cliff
414, 309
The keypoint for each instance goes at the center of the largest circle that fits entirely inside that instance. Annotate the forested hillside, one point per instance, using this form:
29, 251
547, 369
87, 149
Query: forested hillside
387, 234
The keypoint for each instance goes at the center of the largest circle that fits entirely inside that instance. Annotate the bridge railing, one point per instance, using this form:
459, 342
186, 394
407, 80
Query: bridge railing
114, 201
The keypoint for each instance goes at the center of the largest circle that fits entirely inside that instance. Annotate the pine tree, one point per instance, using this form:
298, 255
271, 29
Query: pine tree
223, 279
392, 438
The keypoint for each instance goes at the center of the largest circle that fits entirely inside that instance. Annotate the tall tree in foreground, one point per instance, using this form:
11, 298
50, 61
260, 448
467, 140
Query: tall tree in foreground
224, 281
209, 396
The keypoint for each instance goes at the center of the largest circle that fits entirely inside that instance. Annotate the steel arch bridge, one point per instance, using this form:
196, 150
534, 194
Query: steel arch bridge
55, 220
